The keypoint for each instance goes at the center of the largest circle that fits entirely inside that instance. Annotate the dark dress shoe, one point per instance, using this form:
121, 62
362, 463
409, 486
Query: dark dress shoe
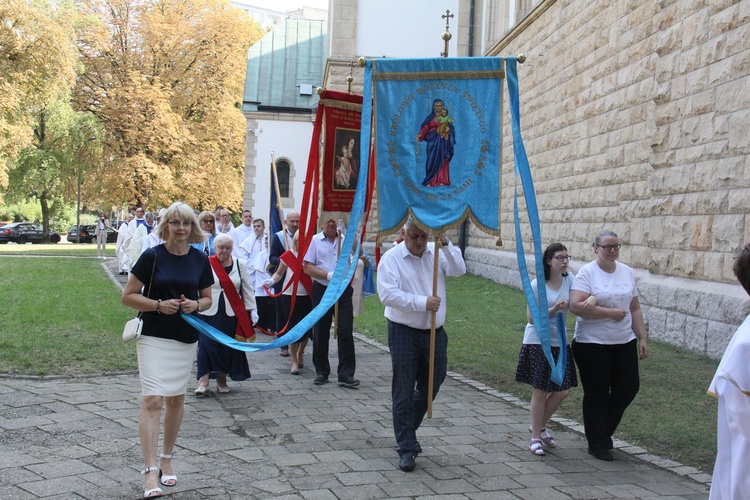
320, 380
601, 455
351, 383
407, 463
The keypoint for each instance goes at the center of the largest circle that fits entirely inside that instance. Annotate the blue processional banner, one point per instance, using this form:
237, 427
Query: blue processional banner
437, 138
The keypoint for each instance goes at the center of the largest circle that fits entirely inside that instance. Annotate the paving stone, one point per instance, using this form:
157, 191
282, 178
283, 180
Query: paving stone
279, 436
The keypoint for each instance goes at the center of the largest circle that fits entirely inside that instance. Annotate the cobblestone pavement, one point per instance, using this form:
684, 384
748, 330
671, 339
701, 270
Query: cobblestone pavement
279, 436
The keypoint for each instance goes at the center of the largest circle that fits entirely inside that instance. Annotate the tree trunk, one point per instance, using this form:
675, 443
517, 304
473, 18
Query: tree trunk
45, 216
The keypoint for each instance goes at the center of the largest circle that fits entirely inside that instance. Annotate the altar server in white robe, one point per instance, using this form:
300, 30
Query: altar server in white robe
731, 386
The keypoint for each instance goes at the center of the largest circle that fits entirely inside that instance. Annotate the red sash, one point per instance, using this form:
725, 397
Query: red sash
295, 266
245, 331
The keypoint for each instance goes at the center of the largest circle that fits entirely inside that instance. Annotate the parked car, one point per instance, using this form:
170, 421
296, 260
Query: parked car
23, 232
87, 234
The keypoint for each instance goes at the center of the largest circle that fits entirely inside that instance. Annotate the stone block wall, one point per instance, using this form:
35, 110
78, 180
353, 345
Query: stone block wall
636, 117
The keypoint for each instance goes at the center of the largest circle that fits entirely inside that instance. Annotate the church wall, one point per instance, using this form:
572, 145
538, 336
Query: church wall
289, 135
635, 117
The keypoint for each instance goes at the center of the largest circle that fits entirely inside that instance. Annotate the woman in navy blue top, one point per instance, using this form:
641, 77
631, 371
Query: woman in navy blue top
167, 280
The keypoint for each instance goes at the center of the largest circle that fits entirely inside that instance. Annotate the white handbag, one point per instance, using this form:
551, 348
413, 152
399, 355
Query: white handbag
132, 329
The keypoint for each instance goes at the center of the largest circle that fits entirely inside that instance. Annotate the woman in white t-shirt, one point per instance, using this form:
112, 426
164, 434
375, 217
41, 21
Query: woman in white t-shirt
605, 344
533, 367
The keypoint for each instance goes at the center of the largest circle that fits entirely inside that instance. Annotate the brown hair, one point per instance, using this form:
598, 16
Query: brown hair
741, 268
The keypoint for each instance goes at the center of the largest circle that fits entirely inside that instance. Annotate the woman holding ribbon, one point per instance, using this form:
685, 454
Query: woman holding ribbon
232, 296
167, 280
533, 367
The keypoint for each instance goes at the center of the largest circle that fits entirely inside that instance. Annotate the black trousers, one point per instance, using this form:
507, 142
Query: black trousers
410, 358
266, 313
345, 335
609, 375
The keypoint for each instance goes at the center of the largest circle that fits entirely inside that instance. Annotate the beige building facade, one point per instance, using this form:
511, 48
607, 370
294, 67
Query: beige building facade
636, 117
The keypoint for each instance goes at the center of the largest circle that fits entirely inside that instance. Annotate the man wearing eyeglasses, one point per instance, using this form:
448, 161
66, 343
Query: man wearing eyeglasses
405, 276
224, 223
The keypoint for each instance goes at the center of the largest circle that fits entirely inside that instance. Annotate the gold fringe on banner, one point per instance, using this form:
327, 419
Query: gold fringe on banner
333, 103
432, 232
440, 75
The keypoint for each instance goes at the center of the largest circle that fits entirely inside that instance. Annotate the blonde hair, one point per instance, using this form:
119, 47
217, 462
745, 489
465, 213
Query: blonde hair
184, 213
202, 216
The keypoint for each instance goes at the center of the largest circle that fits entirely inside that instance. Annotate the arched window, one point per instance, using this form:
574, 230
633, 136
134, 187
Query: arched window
282, 170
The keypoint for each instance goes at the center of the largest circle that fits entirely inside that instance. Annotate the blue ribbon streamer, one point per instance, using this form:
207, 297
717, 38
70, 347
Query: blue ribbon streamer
345, 266
538, 310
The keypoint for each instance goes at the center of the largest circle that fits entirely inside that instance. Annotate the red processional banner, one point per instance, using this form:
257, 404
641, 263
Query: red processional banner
341, 149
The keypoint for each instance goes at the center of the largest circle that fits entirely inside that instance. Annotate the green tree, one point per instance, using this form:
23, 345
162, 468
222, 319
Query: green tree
65, 144
38, 59
165, 77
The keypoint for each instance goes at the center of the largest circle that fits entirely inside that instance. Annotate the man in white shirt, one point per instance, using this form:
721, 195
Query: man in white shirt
258, 268
241, 233
137, 228
405, 277
320, 261
279, 245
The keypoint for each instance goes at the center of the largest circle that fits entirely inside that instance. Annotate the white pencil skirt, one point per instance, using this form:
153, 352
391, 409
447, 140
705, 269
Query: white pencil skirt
164, 365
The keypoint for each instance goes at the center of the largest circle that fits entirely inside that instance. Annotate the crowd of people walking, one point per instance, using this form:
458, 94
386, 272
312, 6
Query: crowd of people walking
241, 280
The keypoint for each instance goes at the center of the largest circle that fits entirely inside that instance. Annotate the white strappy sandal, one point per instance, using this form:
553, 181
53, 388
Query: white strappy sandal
167, 479
153, 492
535, 447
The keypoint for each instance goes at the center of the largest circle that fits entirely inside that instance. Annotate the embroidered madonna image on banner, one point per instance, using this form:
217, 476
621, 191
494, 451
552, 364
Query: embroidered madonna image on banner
438, 141
346, 156
340, 152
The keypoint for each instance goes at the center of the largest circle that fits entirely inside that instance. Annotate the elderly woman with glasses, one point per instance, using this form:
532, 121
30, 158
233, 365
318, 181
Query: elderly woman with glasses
207, 221
533, 367
167, 280
232, 300
606, 341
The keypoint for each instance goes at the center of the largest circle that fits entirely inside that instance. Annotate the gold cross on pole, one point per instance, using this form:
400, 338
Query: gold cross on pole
350, 78
446, 36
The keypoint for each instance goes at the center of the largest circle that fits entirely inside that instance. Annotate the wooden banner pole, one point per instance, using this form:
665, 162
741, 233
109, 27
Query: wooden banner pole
430, 383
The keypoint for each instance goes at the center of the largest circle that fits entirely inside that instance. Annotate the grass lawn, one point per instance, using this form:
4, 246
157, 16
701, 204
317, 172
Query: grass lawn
55, 249
63, 316
672, 416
